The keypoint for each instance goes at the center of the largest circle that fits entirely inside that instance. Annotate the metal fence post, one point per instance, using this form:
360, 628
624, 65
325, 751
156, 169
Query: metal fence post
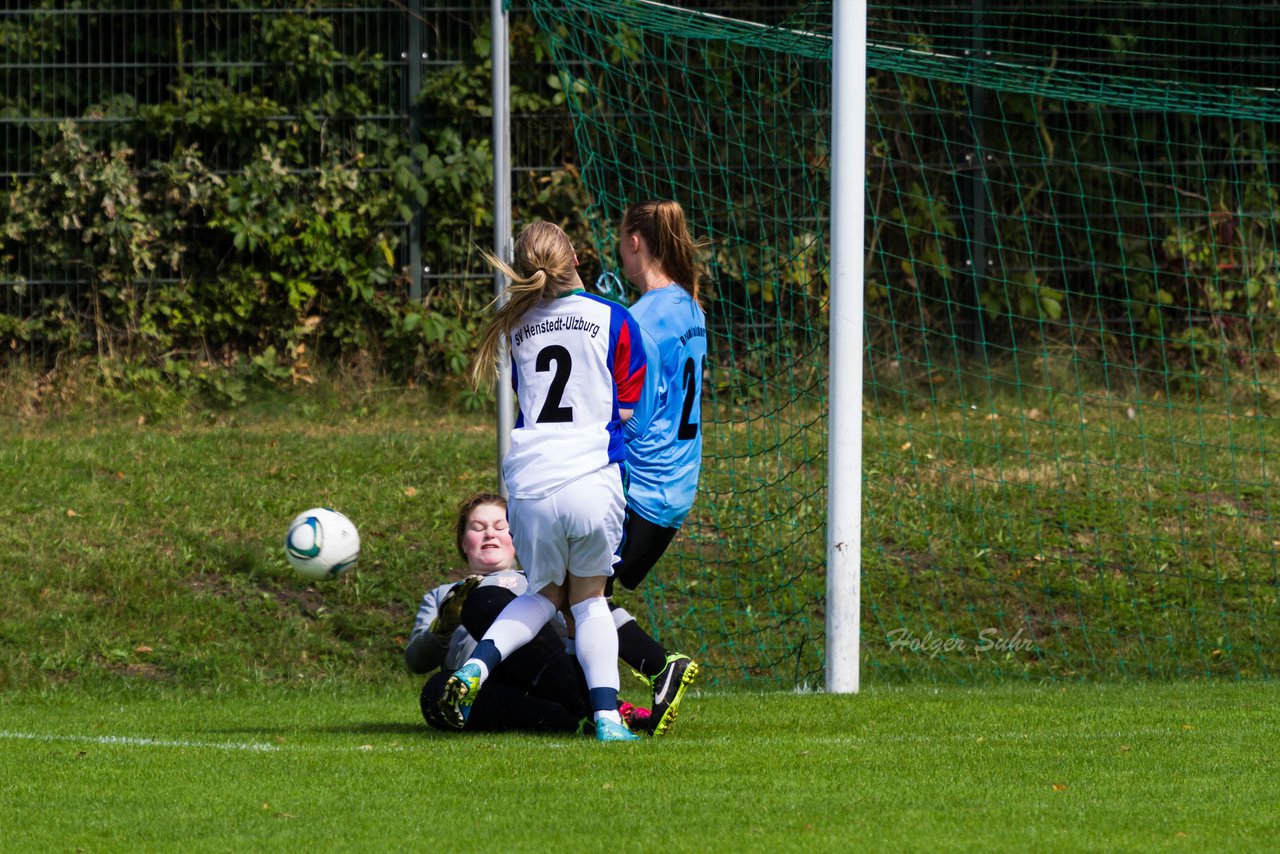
974, 203
502, 225
413, 88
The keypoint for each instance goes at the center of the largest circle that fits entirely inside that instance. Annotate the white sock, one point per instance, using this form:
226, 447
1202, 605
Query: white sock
620, 616
523, 618
597, 642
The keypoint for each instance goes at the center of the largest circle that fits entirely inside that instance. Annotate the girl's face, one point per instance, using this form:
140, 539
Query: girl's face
487, 540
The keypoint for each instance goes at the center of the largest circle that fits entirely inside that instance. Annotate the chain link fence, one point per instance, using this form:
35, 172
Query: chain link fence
124, 75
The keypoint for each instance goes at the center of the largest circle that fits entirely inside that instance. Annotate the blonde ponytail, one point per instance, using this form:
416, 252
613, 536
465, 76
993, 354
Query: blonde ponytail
543, 269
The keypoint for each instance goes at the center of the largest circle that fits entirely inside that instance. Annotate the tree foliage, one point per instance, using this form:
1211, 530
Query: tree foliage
232, 198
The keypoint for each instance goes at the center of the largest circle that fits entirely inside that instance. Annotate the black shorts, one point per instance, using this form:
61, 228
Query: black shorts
643, 543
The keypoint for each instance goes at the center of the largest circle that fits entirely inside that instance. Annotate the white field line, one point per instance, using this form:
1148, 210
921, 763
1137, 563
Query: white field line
135, 741
835, 740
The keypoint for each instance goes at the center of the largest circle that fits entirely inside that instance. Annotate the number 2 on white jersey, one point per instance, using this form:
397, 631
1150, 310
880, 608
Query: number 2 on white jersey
552, 411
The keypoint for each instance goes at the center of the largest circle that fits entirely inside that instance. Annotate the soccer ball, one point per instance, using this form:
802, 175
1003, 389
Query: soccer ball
322, 543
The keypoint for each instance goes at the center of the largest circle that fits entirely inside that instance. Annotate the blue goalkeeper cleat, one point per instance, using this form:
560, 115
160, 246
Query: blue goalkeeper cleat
668, 690
607, 730
459, 693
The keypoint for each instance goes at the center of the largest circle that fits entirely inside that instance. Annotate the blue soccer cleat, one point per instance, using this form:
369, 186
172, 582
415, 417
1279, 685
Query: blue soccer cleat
607, 730
459, 693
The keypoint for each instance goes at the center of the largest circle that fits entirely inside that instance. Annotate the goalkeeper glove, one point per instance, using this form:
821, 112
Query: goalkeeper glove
450, 616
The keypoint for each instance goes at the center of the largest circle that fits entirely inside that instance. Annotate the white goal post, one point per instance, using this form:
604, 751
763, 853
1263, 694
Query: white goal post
844, 419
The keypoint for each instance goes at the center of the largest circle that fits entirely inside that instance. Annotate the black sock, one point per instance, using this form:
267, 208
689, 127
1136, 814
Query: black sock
642, 652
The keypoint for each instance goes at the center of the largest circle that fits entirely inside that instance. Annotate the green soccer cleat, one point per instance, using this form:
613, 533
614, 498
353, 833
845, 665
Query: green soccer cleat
668, 690
607, 730
459, 693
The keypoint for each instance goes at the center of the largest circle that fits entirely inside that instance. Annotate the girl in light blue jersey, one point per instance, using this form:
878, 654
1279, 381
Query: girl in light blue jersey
664, 436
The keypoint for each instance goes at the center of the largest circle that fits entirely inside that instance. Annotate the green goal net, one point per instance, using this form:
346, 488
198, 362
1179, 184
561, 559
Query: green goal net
1071, 328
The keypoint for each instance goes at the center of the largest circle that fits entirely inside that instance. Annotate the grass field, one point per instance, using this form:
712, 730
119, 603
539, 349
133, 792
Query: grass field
167, 683
1138, 767
148, 546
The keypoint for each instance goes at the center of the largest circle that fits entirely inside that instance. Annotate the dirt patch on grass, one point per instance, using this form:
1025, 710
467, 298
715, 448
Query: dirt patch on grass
138, 670
307, 600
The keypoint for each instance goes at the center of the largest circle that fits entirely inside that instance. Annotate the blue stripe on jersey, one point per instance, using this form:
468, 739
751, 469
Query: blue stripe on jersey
626, 358
628, 365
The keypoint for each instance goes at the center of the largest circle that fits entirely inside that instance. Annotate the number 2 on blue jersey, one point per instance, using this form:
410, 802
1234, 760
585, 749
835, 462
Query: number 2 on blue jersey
692, 374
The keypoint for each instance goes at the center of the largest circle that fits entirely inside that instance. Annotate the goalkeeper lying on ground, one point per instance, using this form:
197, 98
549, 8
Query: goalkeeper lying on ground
540, 687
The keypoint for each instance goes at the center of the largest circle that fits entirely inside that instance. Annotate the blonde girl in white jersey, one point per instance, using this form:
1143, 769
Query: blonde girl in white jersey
578, 367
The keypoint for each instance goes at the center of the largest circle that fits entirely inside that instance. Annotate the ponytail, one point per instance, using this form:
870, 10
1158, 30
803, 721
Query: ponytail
544, 258
662, 225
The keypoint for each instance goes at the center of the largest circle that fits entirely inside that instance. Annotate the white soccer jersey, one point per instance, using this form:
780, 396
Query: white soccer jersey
575, 361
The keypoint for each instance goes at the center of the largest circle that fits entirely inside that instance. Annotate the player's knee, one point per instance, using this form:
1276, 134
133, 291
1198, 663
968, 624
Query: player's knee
631, 574
583, 587
483, 606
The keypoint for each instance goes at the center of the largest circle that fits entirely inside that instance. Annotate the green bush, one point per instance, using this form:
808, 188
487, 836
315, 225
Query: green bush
246, 227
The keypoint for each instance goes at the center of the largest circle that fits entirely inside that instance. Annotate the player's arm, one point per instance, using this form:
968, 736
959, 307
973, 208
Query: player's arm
425, 650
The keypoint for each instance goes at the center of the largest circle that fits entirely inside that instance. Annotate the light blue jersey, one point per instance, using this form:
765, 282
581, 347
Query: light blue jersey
664, 435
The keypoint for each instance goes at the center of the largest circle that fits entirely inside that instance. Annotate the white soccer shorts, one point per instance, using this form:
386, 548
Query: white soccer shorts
573, 531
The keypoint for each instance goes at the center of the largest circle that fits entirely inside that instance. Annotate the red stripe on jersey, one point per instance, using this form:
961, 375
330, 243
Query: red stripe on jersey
629, 382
